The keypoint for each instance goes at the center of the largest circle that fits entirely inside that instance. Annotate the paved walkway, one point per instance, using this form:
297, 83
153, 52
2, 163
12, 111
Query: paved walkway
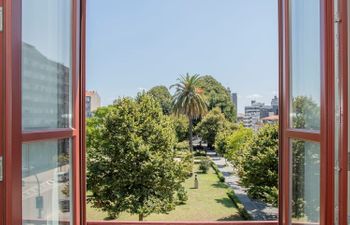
257, 209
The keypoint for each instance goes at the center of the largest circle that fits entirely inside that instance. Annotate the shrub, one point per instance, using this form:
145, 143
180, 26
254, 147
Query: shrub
241, 210
200, 153
182, 146
204, 165
200, 158
218, 172
187, 163
221, 177
182, 196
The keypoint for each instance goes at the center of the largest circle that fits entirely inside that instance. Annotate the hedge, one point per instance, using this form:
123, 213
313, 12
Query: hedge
218, 172
241, 210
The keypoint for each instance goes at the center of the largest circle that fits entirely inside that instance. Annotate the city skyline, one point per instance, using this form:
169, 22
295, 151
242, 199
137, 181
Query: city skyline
155, 42
237, 95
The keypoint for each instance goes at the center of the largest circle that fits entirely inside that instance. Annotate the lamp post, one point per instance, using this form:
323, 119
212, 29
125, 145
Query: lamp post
39, 199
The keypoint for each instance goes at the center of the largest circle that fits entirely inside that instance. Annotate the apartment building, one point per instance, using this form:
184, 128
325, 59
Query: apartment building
93, 102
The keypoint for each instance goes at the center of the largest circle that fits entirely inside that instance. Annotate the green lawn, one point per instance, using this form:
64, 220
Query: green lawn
208, 203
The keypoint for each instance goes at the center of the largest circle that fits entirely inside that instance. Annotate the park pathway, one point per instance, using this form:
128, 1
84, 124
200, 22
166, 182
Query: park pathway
257, 209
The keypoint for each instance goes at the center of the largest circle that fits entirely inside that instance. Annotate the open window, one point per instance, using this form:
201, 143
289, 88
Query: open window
42, 104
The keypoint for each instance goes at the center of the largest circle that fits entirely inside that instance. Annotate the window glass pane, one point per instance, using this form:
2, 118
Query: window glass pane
46, 64
337, 112
305, 185
46, 183
305, 64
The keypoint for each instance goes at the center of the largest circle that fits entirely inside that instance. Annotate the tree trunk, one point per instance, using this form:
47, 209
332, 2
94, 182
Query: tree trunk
141, 217
190, 136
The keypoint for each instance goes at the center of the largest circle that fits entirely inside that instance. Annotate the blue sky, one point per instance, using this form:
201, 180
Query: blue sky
134, 45
49, 36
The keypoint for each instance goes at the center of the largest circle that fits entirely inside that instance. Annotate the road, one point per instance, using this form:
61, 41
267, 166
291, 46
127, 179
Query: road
51, 192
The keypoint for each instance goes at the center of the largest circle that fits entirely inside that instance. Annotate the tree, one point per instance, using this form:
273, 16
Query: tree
94, 126
306, 113
181, 127
218, 96
236, 146
211, 125
221, 143
305, 167
131, 166
162, 95
188, 100
260, 165
305, 160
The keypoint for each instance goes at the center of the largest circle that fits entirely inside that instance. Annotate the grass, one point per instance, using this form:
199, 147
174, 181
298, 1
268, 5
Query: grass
208, 203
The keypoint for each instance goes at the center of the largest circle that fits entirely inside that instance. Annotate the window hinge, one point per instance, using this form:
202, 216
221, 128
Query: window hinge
337, 167
338, 118
1, 169
337, 18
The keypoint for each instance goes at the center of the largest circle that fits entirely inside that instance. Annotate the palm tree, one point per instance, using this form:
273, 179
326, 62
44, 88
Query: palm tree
188, 100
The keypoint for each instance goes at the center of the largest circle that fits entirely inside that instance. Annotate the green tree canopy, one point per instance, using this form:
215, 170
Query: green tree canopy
94, 125
181, 127
236, 146
221, 146
131, 166
305, 160
162, 95
213, 123
239, 138
188, 100
260, 164
306, 113
218, 96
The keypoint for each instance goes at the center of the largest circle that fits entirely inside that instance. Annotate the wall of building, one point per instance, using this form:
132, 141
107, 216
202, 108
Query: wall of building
92, 102
45, 91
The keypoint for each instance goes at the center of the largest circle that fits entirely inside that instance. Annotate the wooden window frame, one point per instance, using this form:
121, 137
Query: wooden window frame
325, 136
344, 112
2, 196
14, 136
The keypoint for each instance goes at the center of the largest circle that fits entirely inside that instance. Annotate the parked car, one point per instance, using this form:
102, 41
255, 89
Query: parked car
64, 205
63, 177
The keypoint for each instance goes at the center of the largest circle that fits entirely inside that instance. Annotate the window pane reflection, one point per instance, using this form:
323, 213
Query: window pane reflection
305, 185
305, 64
46, 64
46, 184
